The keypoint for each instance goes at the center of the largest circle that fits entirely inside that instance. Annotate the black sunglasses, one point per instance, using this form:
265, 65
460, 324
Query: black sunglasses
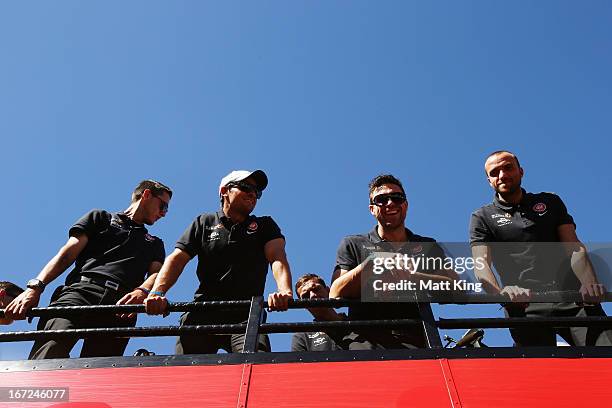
383, 199
163, 206
246, 187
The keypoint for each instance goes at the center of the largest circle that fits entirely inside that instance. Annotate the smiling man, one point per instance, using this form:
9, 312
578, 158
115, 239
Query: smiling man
531, 240
113, 253
353, 268
234, 250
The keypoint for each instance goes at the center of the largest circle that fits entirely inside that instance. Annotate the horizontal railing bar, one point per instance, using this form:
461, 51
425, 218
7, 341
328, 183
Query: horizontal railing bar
154, 331
338, 325
55, 311
591, 321
510, 322
536, 297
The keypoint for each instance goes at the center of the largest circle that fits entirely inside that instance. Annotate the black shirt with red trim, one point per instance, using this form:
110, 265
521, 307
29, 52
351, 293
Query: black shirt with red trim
526, 249
117, 249
231, 260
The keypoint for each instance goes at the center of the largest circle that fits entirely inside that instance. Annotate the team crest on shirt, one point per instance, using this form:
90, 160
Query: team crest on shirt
149, 237
218, 226
539, 208
252, 228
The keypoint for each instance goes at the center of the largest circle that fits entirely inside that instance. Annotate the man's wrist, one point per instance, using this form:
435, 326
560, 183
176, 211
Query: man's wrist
144, 290
36, 285
160, 293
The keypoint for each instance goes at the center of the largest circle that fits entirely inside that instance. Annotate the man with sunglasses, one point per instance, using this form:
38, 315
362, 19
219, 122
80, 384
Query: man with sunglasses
234, 250
354, 260
113, 253
311, 286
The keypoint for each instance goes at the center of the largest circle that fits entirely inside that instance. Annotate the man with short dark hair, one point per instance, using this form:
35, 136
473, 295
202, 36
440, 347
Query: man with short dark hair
234, 250
531, 240
113, 252
8, 292
388, 205
311, 286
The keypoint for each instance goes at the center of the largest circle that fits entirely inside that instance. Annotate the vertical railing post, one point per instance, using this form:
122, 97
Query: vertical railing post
432, 335
251, 336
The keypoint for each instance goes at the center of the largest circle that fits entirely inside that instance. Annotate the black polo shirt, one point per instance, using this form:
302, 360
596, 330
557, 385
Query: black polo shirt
117, 248
231, 261
526, 249
319, 341
354, 249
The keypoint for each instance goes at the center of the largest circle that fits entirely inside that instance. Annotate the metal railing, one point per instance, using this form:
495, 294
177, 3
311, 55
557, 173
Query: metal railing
254, 326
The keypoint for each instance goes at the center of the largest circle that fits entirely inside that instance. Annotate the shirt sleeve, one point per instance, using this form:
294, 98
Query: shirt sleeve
160, 251
345, 255
271, 230
479, 231
90, 224
192, 238
298, 342
563, 216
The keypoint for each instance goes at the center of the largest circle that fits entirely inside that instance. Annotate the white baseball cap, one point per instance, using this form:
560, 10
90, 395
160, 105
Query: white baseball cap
260, 178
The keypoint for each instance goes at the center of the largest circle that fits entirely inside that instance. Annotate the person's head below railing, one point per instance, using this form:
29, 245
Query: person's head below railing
312, 286
8, 292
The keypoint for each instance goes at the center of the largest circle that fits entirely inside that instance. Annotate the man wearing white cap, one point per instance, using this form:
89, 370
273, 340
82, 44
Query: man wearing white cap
234, 249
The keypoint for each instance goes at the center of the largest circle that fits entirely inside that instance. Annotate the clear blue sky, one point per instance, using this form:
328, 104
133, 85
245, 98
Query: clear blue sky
322, 95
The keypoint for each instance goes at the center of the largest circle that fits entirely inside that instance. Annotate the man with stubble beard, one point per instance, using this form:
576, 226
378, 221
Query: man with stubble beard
353, 268
531, 241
